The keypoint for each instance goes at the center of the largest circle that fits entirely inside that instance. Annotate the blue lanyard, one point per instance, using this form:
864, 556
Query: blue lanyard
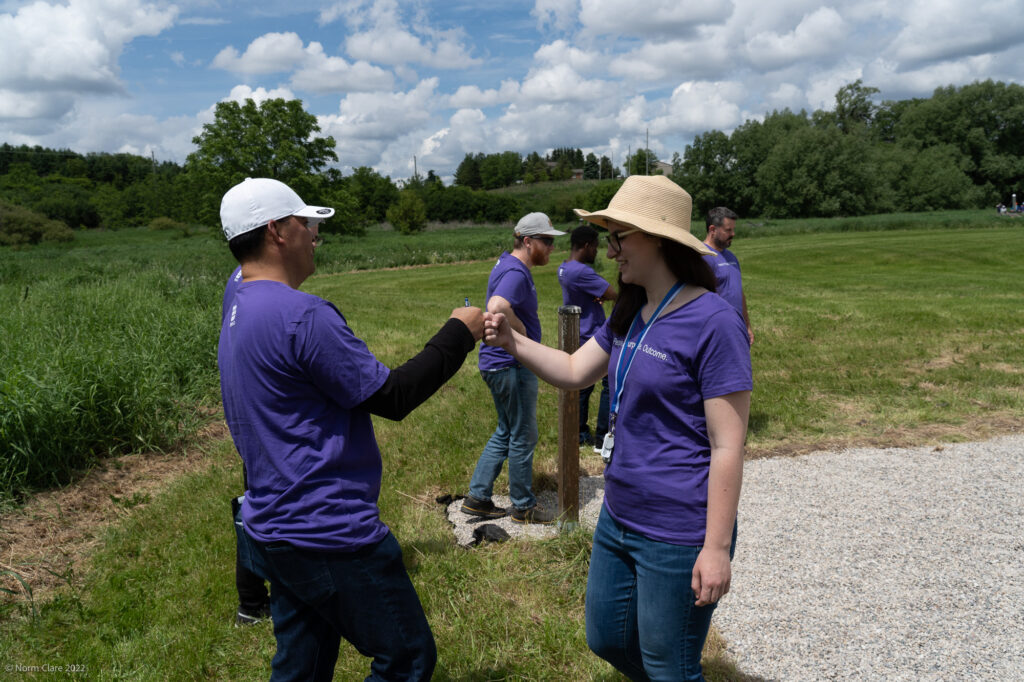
620, 371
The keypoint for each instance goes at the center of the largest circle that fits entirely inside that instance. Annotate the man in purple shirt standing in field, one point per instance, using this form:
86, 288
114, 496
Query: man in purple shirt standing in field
298, 388
583, 287
721, 224
510, 290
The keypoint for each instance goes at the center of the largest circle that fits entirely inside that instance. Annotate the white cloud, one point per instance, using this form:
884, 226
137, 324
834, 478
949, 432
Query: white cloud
367, 122
818, 35
55, 52
240, 93
696, 107
320, 73
314, 71
951, 29
470, 96
652, 18
559, 83
270, 53
786, 96
380, 34
563, 52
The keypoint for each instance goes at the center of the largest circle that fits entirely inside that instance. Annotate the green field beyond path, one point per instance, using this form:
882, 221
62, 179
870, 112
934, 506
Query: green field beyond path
887, 337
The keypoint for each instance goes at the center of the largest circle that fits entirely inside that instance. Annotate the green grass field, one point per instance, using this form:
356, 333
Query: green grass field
867, 337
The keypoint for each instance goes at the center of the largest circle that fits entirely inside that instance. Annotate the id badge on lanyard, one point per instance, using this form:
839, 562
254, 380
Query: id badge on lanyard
621, 372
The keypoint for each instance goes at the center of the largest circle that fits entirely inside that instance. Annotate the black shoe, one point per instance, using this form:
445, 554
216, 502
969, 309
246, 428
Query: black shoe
483, 508
245, 617
535, 514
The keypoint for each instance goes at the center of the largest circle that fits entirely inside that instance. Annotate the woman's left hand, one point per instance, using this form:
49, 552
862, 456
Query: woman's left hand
712, 575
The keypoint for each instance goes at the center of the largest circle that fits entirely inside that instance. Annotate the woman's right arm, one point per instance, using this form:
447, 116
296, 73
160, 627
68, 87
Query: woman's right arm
579, 370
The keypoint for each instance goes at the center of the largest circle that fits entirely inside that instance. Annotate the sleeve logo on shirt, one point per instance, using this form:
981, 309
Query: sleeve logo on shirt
234, 309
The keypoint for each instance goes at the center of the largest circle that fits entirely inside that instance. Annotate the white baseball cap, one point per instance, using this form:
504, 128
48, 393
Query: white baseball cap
254, 202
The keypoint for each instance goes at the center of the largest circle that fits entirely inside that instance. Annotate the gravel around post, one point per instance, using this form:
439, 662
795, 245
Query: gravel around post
867, 564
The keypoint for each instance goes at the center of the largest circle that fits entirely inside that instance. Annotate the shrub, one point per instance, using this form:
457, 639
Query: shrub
19, 226
409, 214
165, 223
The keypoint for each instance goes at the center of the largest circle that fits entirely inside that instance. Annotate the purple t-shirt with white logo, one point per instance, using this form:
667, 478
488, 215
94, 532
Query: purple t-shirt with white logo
292, 375
727, 276
582, 286
657, 481
511, 280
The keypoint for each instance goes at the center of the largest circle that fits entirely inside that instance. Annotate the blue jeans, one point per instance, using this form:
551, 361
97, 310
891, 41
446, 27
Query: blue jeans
641, 613
514, 390
316, 598
602, 413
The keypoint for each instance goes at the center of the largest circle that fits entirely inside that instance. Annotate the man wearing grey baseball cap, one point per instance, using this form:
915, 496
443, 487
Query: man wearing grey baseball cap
510, 290
298, 388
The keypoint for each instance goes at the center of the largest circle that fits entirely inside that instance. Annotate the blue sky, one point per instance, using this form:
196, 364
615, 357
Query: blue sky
393, 79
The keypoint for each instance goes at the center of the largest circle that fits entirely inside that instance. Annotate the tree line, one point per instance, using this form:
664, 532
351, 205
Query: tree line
961, 148
492, 171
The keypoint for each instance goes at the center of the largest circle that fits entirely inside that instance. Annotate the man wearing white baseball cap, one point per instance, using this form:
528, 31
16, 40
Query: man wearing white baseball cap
298, 388
510, 290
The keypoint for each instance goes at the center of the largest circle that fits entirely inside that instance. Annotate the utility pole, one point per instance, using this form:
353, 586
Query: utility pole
647, 152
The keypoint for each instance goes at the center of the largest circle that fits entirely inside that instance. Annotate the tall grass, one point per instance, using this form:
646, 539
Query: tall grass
105, 350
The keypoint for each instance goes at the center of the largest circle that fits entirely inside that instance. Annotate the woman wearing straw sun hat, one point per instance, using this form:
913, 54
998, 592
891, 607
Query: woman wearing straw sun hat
678, 362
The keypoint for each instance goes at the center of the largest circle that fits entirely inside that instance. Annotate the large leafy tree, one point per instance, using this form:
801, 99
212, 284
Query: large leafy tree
274, 139
708, 172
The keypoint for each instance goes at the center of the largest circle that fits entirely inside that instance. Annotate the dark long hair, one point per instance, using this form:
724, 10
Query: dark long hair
687, 265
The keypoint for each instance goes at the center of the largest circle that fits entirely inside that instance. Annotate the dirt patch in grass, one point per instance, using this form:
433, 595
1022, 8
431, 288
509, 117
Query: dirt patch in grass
47, 542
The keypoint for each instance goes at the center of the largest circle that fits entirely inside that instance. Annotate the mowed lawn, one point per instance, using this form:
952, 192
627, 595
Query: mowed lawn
867, 337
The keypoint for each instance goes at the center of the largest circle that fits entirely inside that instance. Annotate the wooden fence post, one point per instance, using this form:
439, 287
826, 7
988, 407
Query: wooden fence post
569, 426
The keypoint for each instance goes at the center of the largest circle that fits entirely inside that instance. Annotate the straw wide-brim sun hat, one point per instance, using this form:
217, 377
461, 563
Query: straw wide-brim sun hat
654, 204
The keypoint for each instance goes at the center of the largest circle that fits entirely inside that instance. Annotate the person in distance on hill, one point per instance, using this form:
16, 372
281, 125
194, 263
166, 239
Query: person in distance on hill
721, 224
679, 361
298, 388
583, 287
510, 291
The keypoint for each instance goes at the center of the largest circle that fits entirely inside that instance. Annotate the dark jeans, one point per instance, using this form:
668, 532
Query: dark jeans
364, 596
602, 414
252, 593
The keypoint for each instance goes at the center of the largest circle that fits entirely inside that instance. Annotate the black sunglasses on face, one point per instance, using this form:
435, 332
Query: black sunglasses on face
614, 239
546, 241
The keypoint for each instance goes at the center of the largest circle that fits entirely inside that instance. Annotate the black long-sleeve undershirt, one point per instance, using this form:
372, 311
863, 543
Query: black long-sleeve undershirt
419, 378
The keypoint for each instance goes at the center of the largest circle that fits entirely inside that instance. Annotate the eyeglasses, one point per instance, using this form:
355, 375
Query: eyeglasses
309, 224
614, 239
546, 241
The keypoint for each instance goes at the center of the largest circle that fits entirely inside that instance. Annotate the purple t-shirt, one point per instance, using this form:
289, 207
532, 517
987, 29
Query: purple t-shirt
511, 280
292, 375
229, 291
582, 286
657, 481
727, 275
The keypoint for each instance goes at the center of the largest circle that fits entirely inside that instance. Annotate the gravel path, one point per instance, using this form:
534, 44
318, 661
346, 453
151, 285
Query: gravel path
870, 564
